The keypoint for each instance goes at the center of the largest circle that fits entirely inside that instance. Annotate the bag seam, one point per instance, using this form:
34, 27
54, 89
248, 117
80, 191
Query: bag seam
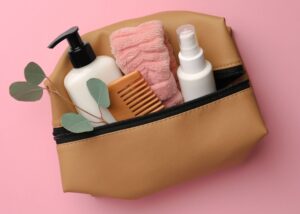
226, 65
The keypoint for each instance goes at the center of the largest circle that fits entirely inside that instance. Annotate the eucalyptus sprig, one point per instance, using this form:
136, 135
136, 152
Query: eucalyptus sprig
30, 91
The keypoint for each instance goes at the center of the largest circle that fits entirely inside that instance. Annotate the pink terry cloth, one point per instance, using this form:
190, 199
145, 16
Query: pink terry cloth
146, 49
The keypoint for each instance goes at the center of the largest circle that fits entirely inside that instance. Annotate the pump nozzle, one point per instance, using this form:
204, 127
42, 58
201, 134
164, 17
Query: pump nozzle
80, 52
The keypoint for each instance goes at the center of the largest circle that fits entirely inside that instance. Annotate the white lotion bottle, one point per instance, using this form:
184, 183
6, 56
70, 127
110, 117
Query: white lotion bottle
195, 73
86, 66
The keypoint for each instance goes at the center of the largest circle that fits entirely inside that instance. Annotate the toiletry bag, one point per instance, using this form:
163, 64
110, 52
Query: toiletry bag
136, 157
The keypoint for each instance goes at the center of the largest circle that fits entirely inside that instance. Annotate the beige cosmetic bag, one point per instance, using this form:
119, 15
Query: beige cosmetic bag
136, 157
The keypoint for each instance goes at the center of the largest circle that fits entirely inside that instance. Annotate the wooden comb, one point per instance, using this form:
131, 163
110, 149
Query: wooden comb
131, 96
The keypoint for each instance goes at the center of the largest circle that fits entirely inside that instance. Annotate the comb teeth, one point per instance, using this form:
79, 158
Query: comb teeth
140, 98
131, 96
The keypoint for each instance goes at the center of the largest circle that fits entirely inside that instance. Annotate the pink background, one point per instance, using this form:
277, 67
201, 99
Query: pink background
267, 34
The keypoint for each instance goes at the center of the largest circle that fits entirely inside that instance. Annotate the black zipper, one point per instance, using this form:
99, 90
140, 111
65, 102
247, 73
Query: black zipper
225, 76
62, 135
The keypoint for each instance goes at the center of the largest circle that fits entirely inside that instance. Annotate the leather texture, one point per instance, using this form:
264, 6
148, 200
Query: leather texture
137, 161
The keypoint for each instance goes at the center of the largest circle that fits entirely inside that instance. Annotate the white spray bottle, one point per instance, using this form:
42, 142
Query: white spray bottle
195, 74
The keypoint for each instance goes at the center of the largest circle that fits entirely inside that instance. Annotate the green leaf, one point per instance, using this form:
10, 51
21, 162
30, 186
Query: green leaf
99, 92
24, 91
76, 123
34, 74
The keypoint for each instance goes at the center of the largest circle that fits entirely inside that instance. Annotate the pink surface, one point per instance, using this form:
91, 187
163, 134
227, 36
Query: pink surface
267, 33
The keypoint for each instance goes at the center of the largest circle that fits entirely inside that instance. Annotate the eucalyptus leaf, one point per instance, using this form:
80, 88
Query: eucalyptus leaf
99, 92
34, 74
76, 123
24, 91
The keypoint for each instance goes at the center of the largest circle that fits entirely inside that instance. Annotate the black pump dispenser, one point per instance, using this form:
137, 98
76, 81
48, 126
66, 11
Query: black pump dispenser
80, 52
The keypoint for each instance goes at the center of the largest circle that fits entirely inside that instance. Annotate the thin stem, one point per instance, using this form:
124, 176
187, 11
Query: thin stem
51, 82
98, 122
69, 102
72, 104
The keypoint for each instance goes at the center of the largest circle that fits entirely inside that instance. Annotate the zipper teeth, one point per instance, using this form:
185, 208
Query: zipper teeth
61, 135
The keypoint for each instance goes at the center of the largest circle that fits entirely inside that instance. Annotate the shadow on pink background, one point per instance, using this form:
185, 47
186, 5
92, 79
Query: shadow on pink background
267, 34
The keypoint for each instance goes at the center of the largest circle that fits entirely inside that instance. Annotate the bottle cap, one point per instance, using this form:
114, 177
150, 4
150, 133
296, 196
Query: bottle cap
80, 52
187, 40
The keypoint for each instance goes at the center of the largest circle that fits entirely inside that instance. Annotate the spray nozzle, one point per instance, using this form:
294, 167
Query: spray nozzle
187, 40
80, 52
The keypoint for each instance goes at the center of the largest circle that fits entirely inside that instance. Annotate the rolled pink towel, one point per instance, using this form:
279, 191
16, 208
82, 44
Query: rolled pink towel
146, 49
